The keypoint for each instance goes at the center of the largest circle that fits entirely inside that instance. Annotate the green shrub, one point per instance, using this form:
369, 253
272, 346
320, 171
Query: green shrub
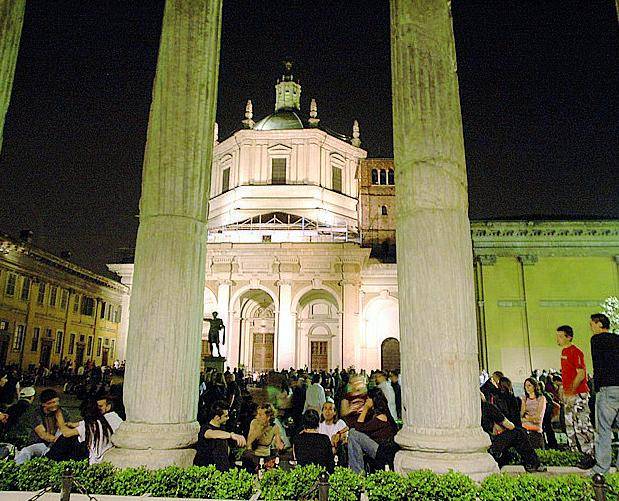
613, 487
8, 475
535, 488
166, 482
425, 484
278, 484
551, 457
386, 486
77, 469
345, 485
234, 484
96, 478
36, 474
132, 482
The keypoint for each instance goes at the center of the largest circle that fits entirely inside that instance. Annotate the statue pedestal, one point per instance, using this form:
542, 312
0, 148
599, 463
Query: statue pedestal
213, 363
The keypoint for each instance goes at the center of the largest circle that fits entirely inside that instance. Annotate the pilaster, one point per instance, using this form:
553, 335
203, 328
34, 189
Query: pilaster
286, 323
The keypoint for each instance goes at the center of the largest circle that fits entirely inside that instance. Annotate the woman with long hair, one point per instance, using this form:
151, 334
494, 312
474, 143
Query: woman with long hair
532, 412
373, 435
508, 403
95, 429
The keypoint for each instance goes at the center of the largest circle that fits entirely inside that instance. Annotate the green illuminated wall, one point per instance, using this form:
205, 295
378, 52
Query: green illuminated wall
534, 276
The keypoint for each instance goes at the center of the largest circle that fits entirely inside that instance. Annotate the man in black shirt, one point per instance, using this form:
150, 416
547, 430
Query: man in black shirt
212, 446
44, 422
605, 355
503, 435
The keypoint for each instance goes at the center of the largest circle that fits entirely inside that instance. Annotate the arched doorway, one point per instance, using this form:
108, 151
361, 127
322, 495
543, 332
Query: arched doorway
318, 327
257, 330
390, 354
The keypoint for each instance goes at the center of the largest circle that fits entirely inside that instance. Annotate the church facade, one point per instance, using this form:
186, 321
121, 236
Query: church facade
301, 256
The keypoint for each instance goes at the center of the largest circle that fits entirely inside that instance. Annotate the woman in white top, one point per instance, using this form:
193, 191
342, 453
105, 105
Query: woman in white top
331, 426
95, 429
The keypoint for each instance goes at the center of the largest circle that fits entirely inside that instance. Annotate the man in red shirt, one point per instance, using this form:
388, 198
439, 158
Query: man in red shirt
575, 395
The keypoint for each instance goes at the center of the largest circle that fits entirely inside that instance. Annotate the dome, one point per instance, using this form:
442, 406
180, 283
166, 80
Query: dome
280, 120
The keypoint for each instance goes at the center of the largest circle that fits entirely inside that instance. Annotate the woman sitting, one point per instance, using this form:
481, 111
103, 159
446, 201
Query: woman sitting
508, 403
373, 433
262, 434
532, 412
311, 446
95, 430
331, 426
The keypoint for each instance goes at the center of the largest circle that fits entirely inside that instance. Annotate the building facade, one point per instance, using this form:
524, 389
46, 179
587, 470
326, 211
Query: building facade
53, 310
301, 256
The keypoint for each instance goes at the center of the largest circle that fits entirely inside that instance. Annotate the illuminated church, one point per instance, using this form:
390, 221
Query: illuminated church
301, 256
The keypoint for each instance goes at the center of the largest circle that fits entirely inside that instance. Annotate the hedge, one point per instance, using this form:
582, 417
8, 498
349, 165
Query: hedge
278, 484
551, 457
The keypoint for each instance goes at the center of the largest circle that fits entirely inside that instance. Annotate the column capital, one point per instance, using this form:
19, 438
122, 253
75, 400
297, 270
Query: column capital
225, 281
350, 281
486, 259
528, 259
283, 282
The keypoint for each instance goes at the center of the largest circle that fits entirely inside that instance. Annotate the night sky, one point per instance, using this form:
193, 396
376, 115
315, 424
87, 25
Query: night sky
538, 87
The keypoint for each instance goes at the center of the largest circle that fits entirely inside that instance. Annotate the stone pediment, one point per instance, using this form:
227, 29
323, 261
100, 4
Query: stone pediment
279, 148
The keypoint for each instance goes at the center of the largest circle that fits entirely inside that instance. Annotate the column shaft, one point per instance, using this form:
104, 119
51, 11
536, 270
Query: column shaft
286, 333
435, 281
163, 347
11, 21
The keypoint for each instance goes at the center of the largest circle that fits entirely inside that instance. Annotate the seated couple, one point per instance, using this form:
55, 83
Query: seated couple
55, 438
370, 437
213, 446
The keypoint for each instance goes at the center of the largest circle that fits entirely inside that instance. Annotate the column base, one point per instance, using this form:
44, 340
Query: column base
149, 458
153, 445
477, 465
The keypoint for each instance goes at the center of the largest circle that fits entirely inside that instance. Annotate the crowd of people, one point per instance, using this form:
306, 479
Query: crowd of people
300, 416
585, 407
342, 417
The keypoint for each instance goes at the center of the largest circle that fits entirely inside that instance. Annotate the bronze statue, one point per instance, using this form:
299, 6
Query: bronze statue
216, 325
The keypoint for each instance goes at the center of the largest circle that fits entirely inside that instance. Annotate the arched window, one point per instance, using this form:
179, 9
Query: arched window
383, 176
390, 177
374, 176
383, 210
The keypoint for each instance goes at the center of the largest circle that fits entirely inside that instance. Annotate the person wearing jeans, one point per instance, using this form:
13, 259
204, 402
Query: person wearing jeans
45, 422
372, 435
605, 355
358, 445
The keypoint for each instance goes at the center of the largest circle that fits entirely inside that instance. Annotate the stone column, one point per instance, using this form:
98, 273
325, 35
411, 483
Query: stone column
11, 21
163, 347
223, 310
285, 333
440, 385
